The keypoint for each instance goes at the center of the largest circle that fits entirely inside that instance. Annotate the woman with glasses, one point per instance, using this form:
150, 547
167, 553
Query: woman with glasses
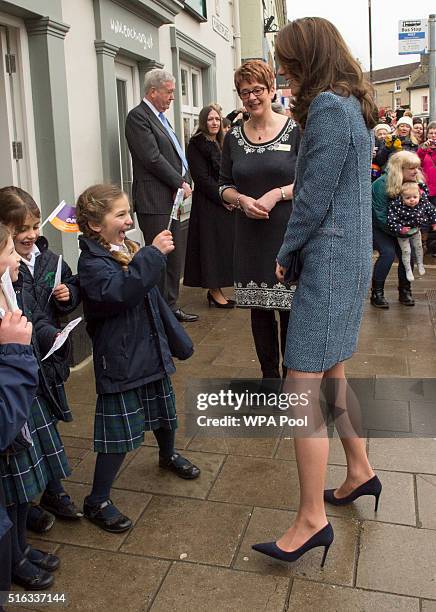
257, 175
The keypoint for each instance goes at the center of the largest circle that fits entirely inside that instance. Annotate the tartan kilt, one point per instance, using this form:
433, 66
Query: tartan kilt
25, 475
122, 418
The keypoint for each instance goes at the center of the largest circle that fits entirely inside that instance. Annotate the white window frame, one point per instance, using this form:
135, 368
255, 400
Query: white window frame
397, 87
424, 100
191, 111
190, 108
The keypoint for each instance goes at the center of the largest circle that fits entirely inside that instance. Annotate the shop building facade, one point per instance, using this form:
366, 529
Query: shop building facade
72, 69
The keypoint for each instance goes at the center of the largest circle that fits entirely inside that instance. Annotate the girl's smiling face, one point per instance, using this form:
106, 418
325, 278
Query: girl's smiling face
26, 236
116, 222
9, 258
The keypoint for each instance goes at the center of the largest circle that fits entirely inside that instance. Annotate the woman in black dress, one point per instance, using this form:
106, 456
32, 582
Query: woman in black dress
257, 175
209, 253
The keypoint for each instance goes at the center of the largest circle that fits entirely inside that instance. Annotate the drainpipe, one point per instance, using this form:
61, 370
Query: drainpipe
236, 40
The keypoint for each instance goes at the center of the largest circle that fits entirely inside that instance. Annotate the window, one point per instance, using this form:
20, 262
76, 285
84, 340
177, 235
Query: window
397, 103
196, 8
425, 104
192, 98
397, 87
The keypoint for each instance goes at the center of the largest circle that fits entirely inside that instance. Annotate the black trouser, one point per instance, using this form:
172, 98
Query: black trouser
266, 339
169, 284
388, 248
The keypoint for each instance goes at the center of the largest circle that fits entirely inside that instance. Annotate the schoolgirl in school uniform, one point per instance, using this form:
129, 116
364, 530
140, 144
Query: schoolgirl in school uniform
18, 381
38, 267
124, 312
39, 456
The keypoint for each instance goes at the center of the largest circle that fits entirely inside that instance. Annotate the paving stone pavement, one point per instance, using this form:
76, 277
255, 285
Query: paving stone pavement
190, 547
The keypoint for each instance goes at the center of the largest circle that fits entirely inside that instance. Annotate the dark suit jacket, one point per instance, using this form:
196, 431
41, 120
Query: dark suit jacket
156, 163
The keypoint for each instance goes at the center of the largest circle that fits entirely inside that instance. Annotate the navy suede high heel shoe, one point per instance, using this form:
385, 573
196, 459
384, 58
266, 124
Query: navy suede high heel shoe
324, 537
373, 486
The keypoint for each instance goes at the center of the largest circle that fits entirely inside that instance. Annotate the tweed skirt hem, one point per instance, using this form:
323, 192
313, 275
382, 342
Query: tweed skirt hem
122, 418
25, 475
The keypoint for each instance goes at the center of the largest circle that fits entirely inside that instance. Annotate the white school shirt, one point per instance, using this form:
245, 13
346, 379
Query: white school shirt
30, 263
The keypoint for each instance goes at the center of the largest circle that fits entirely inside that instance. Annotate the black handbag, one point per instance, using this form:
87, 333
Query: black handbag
294, 269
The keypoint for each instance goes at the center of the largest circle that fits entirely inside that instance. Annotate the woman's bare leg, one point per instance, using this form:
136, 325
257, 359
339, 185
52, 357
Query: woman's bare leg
311, 454
359, 469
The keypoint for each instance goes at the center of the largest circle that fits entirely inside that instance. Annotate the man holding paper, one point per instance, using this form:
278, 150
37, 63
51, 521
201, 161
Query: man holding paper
160, 169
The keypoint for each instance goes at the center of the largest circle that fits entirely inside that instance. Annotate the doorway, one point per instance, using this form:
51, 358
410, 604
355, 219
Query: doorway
126, 80
14, 149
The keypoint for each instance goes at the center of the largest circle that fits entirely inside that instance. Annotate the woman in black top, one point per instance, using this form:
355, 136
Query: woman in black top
209, 253
257, 174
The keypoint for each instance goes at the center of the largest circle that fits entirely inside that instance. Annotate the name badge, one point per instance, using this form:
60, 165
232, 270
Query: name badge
283, 147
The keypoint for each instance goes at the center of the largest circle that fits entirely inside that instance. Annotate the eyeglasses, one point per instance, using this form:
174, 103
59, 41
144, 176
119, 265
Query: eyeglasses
257, 91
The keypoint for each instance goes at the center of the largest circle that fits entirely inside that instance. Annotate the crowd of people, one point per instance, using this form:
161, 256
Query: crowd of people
267, 189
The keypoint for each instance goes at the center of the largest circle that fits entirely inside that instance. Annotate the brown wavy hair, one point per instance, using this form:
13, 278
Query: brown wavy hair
202, 123
312, 51
92, 207
15, 205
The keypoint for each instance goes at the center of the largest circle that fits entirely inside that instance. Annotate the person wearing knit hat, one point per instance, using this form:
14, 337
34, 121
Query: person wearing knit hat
402, 139
405, 121
379, 128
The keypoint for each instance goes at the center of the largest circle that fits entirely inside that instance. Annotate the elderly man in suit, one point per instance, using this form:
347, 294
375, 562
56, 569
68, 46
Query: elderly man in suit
159, 170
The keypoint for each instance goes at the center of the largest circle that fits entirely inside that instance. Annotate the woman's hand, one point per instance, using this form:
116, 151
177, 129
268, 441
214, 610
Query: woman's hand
61, 293
280, 273
251, 208
164, 242
269, 199
228, 206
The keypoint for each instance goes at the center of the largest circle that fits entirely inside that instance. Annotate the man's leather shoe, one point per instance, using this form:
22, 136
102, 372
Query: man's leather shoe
184, 317
180, 466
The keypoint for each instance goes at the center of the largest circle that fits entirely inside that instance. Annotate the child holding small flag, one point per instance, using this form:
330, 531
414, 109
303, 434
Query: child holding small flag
56, 292
134, 335
37, 454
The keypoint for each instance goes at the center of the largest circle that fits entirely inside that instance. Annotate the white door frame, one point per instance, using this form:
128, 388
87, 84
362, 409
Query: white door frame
23, 103
127, 71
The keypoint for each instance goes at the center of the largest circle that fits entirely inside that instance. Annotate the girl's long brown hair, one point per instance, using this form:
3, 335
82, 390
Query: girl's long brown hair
312, 51
92, 207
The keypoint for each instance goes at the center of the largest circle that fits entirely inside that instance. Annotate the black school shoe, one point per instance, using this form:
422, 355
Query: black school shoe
180, 466
39, 581
61, 505
39, 520
47, 562
113, 523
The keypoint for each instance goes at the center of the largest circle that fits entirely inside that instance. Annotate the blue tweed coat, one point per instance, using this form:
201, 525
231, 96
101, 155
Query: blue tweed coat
331, 224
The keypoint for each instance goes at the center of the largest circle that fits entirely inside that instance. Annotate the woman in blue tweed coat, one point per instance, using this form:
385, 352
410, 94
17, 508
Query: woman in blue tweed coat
330, 225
